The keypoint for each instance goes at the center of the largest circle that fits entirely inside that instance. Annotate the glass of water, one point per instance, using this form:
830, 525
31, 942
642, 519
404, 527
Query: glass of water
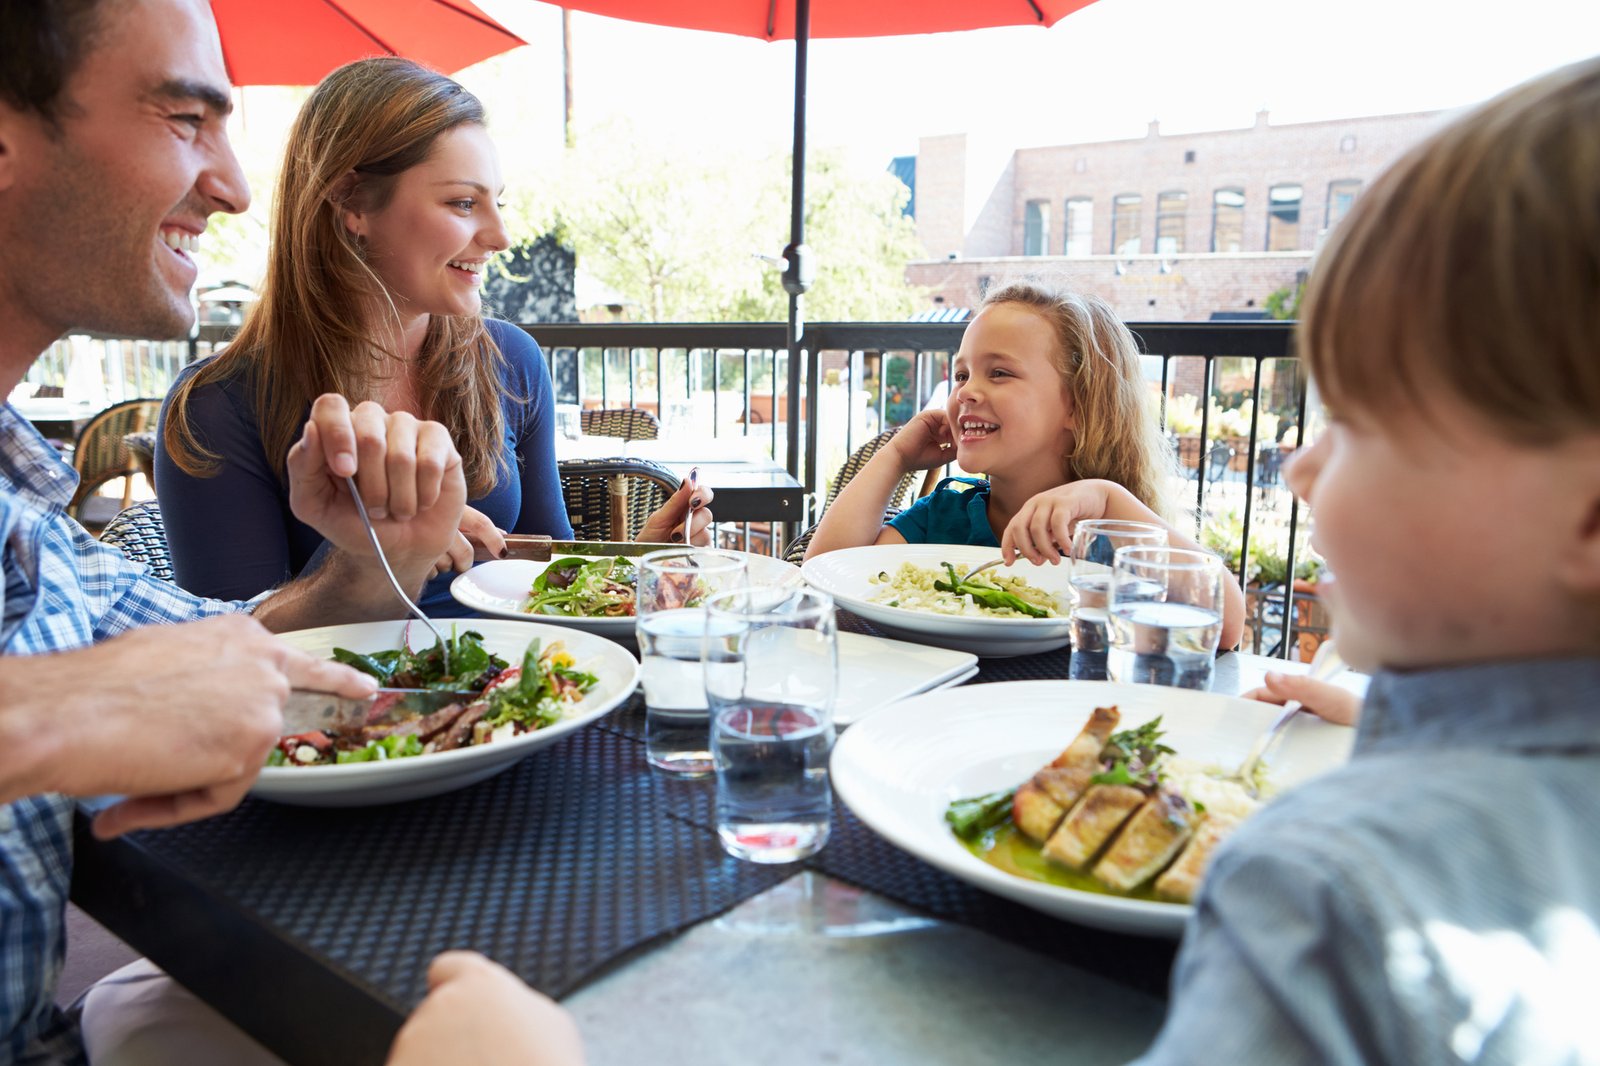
1094, 544
1165, 609
771, 674
670, 623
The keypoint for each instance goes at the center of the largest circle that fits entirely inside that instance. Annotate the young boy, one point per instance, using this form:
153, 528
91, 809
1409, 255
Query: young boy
1438, 899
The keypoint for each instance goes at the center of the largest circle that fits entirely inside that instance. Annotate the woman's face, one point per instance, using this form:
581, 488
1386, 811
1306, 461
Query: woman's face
431, 242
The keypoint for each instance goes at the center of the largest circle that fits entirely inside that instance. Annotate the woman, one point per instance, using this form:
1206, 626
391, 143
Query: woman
384, 222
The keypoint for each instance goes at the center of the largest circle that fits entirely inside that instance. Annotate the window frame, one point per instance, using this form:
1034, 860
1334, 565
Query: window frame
1182, 214
1087, 248
1239, 208
1137, 200
1272, 213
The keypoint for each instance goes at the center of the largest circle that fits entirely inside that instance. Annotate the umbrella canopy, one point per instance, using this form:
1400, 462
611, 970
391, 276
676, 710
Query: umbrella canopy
800, 20
297, 42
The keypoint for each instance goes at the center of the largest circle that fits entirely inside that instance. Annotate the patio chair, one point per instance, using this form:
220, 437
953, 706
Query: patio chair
629, 423
137, 532
899, 499
610, 499
101, 455
1218, 457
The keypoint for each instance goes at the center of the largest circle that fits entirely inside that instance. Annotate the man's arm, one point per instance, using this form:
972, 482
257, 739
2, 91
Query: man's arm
409, 475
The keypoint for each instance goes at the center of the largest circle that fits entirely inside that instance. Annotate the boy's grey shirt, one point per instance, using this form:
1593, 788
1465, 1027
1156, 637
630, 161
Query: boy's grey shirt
1435, 901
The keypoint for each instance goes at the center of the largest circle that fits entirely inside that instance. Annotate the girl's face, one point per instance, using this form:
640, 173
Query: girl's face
431, 242
1009, 407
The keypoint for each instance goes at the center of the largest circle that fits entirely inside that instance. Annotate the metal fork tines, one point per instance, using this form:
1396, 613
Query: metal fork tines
361, 509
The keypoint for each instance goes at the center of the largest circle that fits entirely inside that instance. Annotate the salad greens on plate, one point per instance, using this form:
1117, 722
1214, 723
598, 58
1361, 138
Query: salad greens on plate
584, 588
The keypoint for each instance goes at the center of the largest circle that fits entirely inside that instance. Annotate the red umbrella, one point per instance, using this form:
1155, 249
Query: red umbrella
297, 42
800, 20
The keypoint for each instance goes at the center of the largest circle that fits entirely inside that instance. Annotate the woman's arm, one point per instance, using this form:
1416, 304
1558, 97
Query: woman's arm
228, 534
1045, 523
856, 517
543, 509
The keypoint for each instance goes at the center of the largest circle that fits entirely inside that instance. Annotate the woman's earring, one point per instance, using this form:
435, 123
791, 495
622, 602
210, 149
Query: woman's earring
361, 246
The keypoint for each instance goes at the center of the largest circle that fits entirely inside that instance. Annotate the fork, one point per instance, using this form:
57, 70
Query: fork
361, 509
1325, 665
976, 570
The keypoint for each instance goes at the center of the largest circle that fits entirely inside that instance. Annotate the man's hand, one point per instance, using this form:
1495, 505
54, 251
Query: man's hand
474, 532
477, 1011
408, 473
177, 718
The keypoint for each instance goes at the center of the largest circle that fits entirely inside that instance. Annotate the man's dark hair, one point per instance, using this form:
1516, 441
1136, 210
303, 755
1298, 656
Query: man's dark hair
41, 44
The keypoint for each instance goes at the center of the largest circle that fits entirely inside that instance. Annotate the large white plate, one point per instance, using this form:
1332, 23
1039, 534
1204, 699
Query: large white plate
499, 588
361, 784
874, 672
844, 575
900, 768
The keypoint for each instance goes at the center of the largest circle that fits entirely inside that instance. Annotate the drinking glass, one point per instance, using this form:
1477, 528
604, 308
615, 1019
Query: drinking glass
1166, 616
670, 623
771, 676
1094, 543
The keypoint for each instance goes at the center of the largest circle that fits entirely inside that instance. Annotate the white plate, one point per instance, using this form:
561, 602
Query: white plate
362, 784
499, 588
874, 672
900, 768
844, 575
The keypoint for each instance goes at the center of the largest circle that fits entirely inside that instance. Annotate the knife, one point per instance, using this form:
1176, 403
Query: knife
306, 712
542, 549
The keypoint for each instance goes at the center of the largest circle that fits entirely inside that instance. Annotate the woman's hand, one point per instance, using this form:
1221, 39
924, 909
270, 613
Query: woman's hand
475, 529
1338, 705
1042, 531
925, 442
666, 524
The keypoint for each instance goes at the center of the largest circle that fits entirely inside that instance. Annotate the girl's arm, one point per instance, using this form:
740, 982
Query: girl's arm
1043, 528
856, 517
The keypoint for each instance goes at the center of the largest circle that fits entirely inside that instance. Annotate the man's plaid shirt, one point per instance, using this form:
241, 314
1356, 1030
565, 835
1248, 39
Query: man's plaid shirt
63, 590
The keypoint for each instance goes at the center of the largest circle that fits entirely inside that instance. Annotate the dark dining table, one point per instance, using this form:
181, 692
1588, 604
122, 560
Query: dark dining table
602, 883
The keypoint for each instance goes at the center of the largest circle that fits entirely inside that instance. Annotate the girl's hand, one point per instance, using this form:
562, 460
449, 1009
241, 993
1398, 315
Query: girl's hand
1042, 531
666, 523
925, 442
474, 528
1338, 705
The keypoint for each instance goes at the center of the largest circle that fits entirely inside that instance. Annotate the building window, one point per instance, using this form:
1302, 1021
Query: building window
1171, 213
1188, 157
1283, 218
1341, 194
1036, 228
1347, 143
1080, 226
1125, 224
1227, 220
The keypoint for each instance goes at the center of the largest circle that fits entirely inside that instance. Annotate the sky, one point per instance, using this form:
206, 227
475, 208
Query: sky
1100, 74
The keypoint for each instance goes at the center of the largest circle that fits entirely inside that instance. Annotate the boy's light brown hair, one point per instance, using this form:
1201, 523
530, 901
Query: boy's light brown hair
1472, 268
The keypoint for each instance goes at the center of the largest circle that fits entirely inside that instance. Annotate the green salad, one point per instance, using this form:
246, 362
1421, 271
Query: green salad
584, 588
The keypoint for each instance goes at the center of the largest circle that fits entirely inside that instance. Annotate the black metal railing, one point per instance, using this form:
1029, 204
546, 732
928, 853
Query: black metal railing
735, 377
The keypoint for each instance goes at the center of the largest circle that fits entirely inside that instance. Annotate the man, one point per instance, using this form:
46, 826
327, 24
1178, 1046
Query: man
113, 154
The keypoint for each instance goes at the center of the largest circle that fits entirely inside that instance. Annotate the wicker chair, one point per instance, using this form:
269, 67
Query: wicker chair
610, 499
101, 455
899, 499
629, 423
137, 532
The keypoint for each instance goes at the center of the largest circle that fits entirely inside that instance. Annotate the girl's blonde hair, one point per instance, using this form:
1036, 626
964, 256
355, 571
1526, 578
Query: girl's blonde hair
363, 126
1118, 433
1472, 268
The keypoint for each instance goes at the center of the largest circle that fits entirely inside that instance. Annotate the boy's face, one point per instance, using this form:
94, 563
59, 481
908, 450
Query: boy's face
1447, 544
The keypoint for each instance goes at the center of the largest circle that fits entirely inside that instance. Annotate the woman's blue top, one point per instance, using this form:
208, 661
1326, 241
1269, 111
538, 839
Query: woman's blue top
232, 535
955, 512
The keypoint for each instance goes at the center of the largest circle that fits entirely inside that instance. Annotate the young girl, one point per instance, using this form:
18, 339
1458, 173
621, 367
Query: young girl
1046, 399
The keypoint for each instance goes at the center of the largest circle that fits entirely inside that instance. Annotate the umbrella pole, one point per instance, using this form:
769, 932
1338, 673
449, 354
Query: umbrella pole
798, 268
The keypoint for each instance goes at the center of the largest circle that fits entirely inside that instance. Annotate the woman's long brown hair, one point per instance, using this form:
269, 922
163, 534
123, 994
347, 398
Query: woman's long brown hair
309, 333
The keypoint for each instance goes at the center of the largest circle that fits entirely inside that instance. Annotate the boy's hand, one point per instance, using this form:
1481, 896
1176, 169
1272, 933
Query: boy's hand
1337, 705
1042, 531
477, 1011
925, 442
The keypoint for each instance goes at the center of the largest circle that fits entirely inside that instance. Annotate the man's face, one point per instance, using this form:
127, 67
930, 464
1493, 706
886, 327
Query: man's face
99, 223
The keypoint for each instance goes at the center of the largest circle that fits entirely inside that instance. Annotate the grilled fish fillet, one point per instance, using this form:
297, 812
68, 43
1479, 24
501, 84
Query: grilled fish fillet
1147, 842
1040, 804
1091, 823
1182, 879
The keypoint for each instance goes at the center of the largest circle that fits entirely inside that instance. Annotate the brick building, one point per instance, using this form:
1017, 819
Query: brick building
1163, 227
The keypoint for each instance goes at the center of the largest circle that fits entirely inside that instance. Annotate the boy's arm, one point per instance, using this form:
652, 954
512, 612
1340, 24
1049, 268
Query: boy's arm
1279, 965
